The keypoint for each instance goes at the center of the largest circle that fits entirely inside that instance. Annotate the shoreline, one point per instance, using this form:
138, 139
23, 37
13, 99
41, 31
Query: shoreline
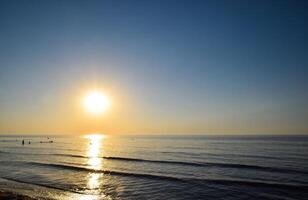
13, 196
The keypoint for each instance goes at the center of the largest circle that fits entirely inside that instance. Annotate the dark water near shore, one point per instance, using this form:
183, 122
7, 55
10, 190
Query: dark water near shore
169, 167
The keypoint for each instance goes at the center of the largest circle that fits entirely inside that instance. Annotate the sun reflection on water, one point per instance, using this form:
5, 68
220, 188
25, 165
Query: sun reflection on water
93, 181
95, 145
94, 150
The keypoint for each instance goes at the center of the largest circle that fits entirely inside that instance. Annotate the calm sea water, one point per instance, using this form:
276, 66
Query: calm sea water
110, 167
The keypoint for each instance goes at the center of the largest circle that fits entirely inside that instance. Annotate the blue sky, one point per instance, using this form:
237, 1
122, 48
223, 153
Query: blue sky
174, 66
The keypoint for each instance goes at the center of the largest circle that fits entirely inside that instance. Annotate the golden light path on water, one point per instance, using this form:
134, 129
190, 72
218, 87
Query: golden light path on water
94, 191
94, 149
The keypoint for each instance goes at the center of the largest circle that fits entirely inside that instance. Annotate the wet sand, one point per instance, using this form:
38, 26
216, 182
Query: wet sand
12, 196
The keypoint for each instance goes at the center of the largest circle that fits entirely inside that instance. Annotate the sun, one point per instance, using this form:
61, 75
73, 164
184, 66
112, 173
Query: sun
96, 102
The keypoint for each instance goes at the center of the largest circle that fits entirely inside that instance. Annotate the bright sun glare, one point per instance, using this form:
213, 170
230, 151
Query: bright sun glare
96, 102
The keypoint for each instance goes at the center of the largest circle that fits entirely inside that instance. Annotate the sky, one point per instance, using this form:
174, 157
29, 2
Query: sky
169, 67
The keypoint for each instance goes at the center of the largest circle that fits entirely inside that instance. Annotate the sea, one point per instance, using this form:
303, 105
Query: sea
95, 166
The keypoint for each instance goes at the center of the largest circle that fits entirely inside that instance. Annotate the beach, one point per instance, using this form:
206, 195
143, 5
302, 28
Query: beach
12, 196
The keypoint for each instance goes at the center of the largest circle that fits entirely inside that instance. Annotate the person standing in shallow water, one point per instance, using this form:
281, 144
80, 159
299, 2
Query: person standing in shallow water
23, 142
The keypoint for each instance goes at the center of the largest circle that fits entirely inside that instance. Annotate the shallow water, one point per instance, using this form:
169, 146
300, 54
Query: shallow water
166, 167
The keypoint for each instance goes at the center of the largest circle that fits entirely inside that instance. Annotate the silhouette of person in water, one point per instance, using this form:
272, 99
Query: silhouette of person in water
23, 142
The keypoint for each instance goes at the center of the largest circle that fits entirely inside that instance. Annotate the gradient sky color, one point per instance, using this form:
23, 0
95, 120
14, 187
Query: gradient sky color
170, 67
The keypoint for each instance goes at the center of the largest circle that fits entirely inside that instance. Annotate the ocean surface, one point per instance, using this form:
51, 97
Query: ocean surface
157, 167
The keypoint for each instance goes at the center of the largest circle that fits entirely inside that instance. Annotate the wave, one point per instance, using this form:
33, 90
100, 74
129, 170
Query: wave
192, 164
208, 164
68, 155
227, 182
199, 164
8, 140
39, 184
231, 155
46, 154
